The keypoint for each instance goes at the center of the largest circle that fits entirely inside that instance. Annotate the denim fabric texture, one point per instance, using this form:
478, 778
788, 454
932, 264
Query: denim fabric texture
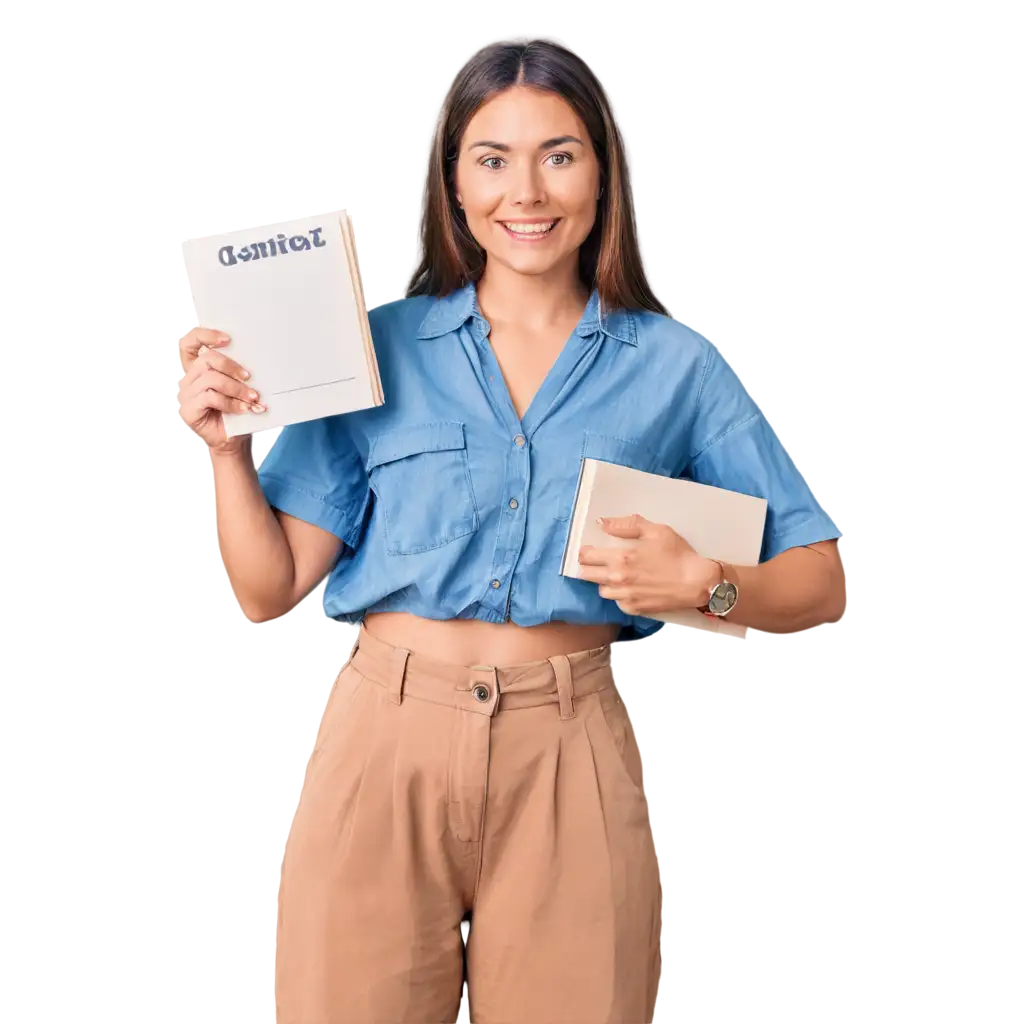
450, 506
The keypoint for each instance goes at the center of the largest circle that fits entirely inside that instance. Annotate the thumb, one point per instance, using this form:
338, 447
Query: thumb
628, 526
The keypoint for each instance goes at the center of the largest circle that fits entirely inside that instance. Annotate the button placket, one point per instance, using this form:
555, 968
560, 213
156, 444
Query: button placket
511, 530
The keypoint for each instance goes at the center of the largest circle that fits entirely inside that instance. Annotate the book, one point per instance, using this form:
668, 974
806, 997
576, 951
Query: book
717, 523
291, 298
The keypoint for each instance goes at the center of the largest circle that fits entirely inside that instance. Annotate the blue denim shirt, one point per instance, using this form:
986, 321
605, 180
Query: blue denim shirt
450, 506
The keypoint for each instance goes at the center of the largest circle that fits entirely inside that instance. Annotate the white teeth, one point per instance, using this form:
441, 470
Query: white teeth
529, 229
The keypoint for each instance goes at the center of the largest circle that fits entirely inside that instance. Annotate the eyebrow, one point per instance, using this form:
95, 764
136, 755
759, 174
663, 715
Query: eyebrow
558, 140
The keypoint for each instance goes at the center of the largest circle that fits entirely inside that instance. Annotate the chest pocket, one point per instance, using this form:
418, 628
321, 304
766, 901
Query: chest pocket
420, 476
621, 450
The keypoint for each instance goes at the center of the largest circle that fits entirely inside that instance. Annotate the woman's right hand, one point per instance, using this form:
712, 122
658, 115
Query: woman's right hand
213, 384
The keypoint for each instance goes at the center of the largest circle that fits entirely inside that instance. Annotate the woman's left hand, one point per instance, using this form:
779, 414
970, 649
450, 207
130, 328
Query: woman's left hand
660, 573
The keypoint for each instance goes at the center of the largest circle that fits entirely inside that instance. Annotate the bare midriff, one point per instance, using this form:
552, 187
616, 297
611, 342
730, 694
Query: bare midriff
475, 642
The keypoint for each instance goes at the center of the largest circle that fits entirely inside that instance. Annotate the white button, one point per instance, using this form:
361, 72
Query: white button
519, 440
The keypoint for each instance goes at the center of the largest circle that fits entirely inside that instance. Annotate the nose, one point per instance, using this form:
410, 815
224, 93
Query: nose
527, 186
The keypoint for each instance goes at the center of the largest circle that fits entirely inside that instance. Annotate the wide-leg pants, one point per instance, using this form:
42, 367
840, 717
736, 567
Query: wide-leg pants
510, 797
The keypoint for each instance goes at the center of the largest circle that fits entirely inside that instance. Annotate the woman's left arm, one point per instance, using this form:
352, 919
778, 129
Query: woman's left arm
797, 589
798, 582
800, 587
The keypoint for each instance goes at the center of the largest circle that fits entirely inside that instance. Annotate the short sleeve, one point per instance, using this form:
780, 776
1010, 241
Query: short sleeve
734, 446
314, 472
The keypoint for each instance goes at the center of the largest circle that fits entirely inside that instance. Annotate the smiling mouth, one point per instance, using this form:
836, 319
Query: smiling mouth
531, 232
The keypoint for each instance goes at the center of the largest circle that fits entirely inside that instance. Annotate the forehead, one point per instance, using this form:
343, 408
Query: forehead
521, 116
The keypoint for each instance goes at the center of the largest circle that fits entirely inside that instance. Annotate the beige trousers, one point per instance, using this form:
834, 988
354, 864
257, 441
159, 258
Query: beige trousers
510, 797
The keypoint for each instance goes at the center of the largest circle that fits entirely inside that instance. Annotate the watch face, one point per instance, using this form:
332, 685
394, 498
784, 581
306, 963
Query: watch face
723, 598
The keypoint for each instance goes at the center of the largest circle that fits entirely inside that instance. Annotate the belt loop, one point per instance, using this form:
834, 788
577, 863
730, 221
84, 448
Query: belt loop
563, 677
397, 682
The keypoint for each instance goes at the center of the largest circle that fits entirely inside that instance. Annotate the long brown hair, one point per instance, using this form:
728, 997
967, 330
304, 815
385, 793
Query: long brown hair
610, 256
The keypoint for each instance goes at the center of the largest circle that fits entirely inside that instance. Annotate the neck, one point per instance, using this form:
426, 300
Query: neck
534, 301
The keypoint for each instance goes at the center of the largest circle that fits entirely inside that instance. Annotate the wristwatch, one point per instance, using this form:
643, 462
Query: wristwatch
722, 596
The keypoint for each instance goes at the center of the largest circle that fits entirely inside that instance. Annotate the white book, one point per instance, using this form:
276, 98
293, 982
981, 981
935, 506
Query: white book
291, 299
717, 522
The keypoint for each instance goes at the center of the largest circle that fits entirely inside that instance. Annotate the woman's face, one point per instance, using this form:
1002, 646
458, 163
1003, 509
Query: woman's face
525, 156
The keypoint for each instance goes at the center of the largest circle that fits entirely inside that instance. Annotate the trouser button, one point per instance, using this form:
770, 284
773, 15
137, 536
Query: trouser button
481, 693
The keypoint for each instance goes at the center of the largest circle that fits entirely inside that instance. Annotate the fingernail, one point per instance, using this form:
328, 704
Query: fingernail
600, 520
245, 375
223, 338
256, 407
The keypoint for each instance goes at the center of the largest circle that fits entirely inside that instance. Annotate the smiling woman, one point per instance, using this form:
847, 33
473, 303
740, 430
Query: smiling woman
476, 761
498, 182
526, 136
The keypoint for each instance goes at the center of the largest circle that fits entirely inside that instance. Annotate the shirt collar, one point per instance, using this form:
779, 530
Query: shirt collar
449, 312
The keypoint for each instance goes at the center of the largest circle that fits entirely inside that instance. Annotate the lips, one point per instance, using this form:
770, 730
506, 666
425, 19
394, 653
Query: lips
531, 235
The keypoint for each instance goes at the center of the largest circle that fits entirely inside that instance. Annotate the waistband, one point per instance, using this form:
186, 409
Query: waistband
483, 688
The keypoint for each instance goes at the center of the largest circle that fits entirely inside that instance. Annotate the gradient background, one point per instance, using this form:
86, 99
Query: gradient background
844, 829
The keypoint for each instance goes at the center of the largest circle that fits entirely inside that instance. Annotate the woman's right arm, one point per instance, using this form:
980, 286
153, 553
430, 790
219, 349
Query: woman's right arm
273, 559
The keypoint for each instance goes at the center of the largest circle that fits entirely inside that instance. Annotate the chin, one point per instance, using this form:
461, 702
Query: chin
532, 264
532, 267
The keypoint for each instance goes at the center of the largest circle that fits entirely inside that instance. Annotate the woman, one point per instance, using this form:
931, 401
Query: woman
475, 761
